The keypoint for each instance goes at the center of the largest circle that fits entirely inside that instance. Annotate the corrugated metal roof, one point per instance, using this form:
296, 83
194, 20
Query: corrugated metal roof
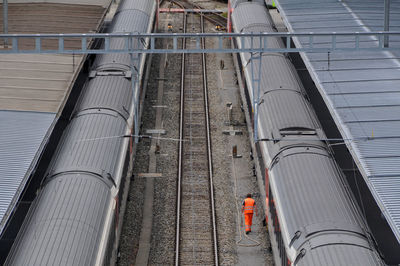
361, 89
370, 13
21, 134
35, 82
41, 82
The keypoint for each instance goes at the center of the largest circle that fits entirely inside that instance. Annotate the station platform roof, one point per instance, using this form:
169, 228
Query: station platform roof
360, 89
34, 88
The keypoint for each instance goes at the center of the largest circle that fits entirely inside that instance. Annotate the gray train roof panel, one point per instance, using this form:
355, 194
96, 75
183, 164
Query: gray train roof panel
47, 223
78, 141
256, 18
144, 6
98, 95
361, 89
339, 255
306, 172
278, 104
127, 21
235, 3
21, 135
310, 171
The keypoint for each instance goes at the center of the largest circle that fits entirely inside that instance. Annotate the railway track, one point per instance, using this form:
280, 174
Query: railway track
214, 18
196, 235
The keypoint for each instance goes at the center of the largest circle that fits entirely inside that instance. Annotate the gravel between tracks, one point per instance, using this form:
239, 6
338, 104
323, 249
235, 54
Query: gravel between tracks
163, 228
222, 144
163, 237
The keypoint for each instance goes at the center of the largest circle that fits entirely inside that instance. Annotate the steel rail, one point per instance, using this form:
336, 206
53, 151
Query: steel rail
198, 9
210, 165
220, 20
179, 183
209, 154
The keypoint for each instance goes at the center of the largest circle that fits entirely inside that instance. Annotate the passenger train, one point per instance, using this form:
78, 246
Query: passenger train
312, 216
74, 219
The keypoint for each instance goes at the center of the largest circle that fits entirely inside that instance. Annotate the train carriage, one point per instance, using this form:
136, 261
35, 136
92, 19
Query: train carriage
312, 217
74, 219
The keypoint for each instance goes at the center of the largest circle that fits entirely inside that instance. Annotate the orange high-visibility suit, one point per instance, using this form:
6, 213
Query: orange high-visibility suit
248, 208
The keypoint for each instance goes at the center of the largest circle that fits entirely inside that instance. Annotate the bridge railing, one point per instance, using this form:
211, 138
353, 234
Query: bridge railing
250, 42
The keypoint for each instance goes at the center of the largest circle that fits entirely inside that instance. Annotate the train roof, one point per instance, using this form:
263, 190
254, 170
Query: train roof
49, 223
280, 88
235, 3
311, 194
33, 88
361, 89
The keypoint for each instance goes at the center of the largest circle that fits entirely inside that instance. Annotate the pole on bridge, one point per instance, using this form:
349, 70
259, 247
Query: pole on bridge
157, 14
229, 17
5, 21
386, 23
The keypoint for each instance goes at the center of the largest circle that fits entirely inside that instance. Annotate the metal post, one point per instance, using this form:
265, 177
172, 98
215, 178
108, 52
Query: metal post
135, 101
386, 23
228, 26
5, 20
137, 116
255, 80
258, 91
157, 14
253, 85
259, 61
256, 97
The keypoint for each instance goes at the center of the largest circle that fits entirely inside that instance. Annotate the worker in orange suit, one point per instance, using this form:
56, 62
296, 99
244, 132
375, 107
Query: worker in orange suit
248, 208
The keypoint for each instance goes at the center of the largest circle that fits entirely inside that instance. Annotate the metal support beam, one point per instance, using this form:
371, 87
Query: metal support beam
157, 14
255, 60
386, 23
135, 59
311, 42
5, 20
256, 84
228, 26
